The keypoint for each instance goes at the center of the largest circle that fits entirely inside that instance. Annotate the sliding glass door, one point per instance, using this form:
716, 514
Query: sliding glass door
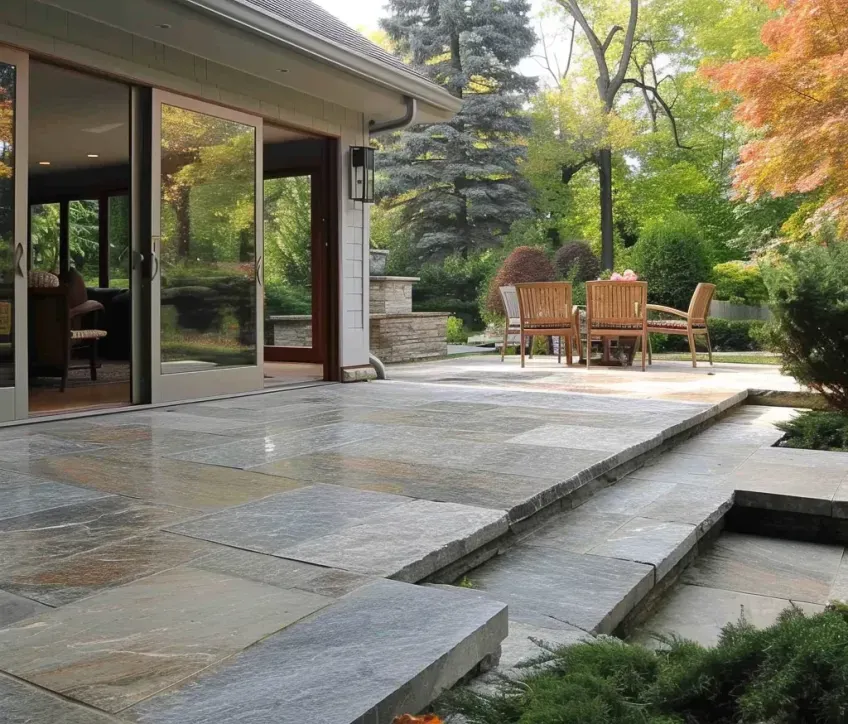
206, 250
13, 227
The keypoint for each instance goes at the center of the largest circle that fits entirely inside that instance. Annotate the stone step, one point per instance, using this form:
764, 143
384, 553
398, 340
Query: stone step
385, 649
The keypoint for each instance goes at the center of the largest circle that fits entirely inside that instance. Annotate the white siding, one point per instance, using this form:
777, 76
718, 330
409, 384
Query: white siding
55, 33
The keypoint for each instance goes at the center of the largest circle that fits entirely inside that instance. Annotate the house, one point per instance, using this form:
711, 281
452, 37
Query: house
172, 173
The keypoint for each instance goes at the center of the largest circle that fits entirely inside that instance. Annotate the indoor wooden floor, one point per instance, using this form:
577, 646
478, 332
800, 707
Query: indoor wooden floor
43, 401
292, 373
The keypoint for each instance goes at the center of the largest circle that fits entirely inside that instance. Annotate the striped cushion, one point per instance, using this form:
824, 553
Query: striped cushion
88, 333
672, 324
616, 326
560, 325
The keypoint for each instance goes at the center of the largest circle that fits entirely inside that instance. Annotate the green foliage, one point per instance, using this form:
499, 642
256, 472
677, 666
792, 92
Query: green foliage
458, 183
793, 672
456, 332
739, 282
281, 298
816, 430
726, 335
576, 261
671, 257
453, 286
524, 264
809, 298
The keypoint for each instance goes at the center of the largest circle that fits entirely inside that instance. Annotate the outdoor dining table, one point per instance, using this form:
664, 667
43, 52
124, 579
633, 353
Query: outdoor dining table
625, 343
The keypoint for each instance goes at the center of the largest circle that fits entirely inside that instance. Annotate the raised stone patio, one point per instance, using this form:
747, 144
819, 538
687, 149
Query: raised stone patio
187, 563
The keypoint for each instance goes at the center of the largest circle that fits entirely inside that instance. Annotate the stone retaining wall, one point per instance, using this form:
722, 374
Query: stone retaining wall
391, 295
289, 330
407, 337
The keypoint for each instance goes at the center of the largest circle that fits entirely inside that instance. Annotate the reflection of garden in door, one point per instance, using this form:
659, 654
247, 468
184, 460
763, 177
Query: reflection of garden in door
288, 261
208, 259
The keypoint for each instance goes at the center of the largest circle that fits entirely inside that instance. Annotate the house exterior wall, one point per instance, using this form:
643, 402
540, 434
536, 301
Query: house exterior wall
60, 35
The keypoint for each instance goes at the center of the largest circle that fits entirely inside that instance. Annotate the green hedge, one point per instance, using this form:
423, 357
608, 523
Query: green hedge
793, 672
726, 335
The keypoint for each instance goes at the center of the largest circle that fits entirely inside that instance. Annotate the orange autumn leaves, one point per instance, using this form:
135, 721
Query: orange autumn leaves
796, 97
409, 719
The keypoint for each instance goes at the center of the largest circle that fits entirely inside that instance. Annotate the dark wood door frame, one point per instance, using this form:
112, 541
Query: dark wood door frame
324, 249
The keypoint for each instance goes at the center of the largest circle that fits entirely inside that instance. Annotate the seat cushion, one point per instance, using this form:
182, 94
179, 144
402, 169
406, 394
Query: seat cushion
86, 308
673, 324
43, 280
615, 326
77, 334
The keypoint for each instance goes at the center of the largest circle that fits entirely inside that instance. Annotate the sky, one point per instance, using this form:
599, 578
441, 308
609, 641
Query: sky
365, 15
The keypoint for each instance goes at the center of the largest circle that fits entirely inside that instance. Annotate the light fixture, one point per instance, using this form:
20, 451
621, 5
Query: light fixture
163, 26
94, 155
362, 174
44, 163
282, 70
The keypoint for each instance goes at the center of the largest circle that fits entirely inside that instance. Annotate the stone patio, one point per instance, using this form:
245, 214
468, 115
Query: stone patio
256, 556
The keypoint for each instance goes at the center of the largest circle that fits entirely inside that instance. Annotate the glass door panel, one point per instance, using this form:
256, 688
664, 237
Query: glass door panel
206, 250
13, 254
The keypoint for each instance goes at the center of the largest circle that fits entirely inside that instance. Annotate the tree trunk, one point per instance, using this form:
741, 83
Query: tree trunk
605, 174
181, 211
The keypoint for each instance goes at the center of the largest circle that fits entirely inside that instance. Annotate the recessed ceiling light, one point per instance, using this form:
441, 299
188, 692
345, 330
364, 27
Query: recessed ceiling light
163, 26
94, 155
283, 70
44, 163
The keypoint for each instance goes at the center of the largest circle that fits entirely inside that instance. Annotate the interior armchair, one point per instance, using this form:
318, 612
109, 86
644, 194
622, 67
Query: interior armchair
61, 319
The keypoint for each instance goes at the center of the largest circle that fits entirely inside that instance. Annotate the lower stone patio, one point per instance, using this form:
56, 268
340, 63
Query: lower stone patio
255, 557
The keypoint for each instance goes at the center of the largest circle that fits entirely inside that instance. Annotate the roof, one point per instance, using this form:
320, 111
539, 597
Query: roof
314, 19
305, 27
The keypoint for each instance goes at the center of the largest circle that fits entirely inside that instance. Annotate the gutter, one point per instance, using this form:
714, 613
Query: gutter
274, 28
407, 119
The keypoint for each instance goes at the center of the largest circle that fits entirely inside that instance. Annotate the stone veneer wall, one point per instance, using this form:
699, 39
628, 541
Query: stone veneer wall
391, 295
289, 330
408, 337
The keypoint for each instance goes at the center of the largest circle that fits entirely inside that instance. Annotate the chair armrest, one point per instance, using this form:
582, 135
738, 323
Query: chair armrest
667, 310
86, 308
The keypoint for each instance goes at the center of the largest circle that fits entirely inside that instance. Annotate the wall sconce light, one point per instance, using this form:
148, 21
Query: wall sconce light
362, 174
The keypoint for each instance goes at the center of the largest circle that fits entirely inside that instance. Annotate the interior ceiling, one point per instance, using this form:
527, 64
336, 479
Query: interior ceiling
74, 114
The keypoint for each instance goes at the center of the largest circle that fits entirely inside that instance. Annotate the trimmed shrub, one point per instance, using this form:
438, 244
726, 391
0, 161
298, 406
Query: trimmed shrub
726, 335
577, 262
457, 334
793, 671
524, 264
816, 430
453, 286
739, 282
809, 293
672, 258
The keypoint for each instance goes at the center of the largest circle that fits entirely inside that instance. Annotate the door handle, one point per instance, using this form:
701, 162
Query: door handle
154, 260
19, 259
138, 259
259, 270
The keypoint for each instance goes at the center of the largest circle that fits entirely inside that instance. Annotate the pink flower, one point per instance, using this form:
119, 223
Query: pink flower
630, 275
616, 277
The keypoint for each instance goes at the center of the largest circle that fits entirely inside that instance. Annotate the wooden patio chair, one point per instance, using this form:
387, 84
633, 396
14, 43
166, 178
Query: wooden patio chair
617, 309
691, 324
512, 326
545, 310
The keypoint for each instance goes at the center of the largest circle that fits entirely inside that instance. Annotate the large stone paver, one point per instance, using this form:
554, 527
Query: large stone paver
407, 542
699, 613
387, 648
117, 648
589, 592
792, 570
21, 703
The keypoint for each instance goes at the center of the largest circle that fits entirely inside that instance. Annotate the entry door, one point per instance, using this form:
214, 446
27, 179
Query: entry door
205, 251
14, 125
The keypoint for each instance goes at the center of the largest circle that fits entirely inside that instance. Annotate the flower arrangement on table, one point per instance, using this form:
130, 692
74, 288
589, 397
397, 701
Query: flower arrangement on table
628, 275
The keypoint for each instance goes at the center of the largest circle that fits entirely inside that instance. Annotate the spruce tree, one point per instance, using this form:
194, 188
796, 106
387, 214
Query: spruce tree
458, 183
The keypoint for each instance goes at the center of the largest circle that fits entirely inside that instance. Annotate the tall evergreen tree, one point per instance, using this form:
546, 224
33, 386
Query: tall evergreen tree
458, 183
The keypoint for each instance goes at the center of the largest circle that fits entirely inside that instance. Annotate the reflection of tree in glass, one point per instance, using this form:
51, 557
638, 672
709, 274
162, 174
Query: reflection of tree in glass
119, 241
288, 245
7, 164
44, 233
84, 240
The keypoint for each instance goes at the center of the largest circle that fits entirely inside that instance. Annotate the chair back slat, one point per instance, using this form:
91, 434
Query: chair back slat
699, 307
510, 302
614, 303
545, 303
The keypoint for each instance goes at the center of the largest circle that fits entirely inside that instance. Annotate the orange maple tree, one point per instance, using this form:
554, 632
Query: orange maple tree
796, 96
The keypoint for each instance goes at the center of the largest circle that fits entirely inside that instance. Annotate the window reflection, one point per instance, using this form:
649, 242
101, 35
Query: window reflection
208, 249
